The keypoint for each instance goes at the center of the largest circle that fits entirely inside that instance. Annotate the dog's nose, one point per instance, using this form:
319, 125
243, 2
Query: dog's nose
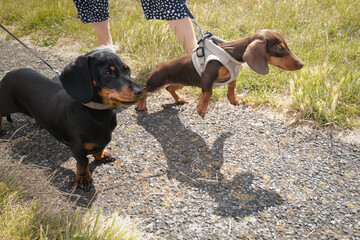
138, 91
301, 64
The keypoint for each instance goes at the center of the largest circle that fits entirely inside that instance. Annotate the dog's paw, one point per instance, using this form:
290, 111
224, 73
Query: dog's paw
234, 100
201, 112
140, 106
181, 101
84, 182
104, 157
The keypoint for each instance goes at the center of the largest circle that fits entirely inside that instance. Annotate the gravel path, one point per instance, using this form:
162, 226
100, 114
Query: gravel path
236, 174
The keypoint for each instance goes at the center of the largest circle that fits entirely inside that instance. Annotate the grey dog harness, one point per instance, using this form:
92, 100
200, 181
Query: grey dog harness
209, 51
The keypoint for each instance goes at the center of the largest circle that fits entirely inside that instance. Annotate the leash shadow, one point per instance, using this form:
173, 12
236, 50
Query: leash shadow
192, 162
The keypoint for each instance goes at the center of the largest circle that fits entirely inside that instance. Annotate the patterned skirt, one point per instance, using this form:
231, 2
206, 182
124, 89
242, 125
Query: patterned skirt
90, 11
164, 9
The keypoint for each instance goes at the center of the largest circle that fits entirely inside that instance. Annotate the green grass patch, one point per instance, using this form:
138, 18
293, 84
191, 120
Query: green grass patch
325, 35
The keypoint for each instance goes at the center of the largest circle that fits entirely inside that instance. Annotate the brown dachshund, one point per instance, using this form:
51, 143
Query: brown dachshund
79, 113
263, 48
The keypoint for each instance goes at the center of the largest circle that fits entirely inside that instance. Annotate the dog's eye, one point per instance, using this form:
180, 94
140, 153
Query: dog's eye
127, 69
279, 47
110, 71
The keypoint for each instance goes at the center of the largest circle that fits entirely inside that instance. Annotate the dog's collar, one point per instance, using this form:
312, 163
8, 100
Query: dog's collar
96, 106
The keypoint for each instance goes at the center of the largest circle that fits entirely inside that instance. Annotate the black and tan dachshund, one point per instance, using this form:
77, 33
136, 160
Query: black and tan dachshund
263, 48
79, 112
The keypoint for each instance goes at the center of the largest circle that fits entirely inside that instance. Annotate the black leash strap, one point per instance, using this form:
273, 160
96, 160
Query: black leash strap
52, 68
187, 10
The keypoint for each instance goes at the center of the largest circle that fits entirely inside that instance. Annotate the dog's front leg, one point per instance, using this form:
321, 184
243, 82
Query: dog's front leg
231, 94
204, 102
208, 78
83, 178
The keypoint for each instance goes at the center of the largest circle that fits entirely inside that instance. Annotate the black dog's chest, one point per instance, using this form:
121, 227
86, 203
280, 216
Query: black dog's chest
96, 140
98, 132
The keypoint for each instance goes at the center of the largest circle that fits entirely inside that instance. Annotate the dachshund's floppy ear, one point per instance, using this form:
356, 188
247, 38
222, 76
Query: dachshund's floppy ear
77, 81
255, 57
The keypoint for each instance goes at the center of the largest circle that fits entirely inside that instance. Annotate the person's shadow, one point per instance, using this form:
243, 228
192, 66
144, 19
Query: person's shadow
191, 162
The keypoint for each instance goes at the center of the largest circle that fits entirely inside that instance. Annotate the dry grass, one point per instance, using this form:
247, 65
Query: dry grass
32, 208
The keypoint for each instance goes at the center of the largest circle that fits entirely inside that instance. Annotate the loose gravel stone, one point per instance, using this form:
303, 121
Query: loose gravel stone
235, 174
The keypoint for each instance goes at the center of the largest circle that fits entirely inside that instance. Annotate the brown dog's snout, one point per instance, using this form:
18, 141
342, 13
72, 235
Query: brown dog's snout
288, 63
301, 65
297, 64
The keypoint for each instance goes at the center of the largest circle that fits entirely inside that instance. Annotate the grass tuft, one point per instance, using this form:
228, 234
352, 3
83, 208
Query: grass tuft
31, 208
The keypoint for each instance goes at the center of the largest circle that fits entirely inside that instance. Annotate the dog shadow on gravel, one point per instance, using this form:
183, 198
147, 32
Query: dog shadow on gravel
192, 162
33, 145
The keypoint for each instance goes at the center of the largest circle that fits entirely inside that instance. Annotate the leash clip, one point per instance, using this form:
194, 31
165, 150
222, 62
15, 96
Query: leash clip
205, 36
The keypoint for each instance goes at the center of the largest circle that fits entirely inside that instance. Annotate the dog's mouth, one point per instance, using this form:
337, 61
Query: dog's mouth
115, 99
115, 103
290, 68
288, 63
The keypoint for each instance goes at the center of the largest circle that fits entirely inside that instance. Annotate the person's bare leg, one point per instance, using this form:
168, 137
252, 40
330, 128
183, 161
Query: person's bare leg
102, 30
184, 31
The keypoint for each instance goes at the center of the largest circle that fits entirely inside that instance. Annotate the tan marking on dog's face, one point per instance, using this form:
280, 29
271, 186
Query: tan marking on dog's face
112, 68
288, 63
116, 98
124, 95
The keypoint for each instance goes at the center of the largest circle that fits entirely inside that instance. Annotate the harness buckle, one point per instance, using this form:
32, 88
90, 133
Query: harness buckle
200, 52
